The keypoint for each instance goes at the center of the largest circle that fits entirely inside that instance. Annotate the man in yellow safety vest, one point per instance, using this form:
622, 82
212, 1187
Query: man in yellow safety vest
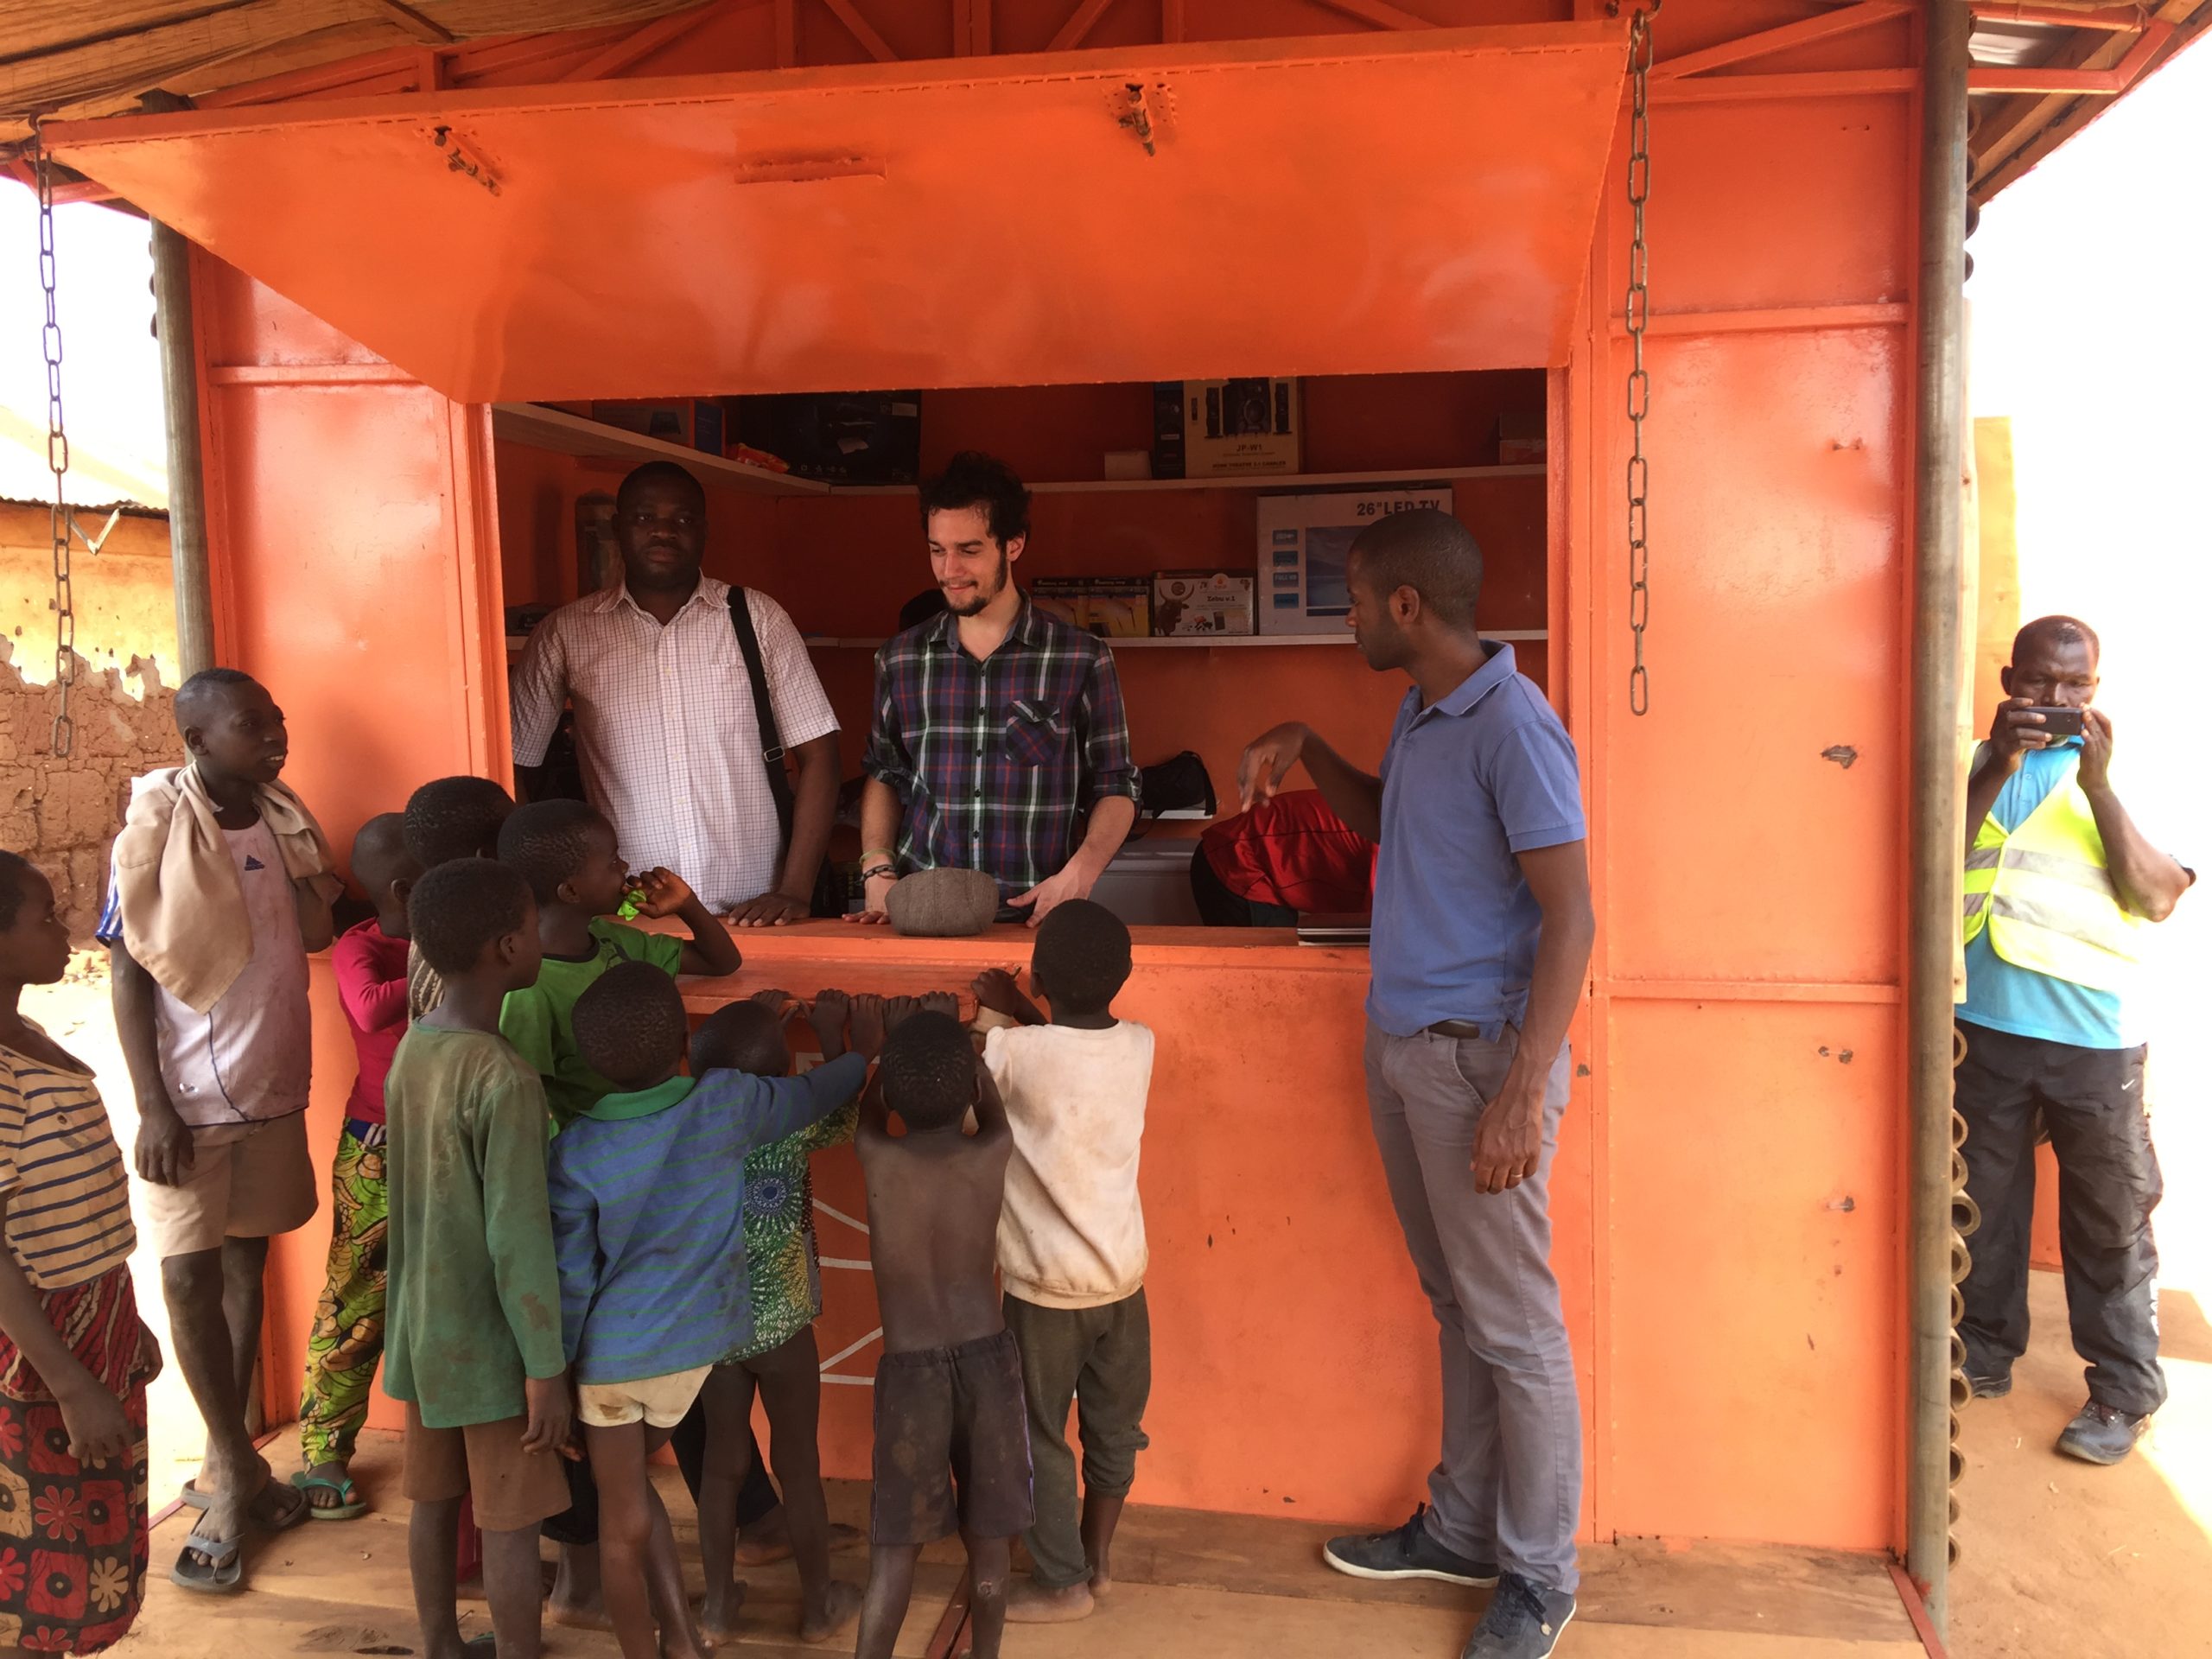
2059, 883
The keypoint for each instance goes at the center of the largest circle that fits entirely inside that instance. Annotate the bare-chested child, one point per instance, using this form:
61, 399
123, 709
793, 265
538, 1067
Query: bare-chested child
948, 1407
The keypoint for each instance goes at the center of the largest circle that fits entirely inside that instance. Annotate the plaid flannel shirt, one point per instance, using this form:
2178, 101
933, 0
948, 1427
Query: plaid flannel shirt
998, 762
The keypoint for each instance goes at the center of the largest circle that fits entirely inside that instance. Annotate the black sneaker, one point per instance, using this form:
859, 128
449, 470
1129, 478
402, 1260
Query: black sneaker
1407, 1552
2102, 1434
1523, 1622
1989, 1388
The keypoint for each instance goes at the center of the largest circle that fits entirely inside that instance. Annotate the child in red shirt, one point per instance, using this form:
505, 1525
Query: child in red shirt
346, 1340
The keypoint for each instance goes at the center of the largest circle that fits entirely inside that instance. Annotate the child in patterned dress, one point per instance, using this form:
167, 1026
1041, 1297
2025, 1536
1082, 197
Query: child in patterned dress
782, 1360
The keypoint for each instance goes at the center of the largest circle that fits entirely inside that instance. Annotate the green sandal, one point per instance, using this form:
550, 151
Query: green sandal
350, 1505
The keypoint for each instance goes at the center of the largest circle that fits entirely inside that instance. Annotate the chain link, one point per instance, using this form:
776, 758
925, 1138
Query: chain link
57, 462
1638, 316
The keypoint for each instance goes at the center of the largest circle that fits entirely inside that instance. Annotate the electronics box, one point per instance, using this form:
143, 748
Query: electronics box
1237, 428
1520, 440
695, 423
1305, 545
1196, 603
1168, 429
1113, 608
855, 437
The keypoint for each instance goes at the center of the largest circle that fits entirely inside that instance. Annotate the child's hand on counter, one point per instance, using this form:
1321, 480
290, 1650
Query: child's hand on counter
868, 1024
786, 1007
997, 990
828, 1016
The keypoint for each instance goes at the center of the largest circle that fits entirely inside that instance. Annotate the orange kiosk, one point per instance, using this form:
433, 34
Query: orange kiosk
1032, 215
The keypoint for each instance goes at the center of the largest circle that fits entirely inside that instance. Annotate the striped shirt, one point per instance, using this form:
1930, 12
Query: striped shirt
666, 730
998, 762
648, 1215
67, 1190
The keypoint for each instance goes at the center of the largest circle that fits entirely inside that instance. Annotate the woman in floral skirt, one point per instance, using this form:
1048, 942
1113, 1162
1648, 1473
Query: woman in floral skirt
74, 1360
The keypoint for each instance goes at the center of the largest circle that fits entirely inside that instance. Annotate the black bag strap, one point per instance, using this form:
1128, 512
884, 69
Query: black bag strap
772, 741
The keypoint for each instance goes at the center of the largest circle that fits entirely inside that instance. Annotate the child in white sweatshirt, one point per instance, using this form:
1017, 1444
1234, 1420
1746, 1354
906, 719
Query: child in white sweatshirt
1072, 1247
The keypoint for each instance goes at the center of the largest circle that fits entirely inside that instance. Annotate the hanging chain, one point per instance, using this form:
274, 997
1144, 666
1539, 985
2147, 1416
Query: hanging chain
1638, 316
57, 462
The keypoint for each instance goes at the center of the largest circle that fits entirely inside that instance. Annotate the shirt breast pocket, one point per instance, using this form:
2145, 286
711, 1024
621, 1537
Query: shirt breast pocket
1037, 734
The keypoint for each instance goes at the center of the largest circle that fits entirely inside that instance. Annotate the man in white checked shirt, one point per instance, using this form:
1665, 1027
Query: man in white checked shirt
665, 724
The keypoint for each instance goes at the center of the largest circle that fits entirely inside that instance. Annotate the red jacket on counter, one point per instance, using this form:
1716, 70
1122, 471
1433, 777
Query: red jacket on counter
1294, 852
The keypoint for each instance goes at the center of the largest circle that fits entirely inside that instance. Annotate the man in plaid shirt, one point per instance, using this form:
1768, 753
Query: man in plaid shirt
998, 742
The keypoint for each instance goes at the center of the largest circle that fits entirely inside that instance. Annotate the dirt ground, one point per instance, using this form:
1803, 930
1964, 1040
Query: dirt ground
2059, 1560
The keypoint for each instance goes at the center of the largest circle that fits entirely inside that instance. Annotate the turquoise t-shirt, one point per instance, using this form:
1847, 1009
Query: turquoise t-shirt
2020, 1000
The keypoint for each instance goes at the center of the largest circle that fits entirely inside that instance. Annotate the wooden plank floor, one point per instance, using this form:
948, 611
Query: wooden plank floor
1207, 1586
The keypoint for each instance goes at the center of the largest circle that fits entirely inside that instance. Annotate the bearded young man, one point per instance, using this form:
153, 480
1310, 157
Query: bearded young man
998, 742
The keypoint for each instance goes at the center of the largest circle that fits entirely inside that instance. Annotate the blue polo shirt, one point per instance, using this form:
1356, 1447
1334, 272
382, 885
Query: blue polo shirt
1469, 782
2017, 1000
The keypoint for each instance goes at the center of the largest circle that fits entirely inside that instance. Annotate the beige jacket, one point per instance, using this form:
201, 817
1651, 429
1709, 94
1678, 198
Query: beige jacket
177, 891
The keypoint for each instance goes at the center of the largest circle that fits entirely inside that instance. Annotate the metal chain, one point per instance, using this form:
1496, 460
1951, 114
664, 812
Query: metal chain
1638, 317
57, 462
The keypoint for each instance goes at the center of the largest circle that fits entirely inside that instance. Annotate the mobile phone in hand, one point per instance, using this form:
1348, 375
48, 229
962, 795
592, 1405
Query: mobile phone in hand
2059, 722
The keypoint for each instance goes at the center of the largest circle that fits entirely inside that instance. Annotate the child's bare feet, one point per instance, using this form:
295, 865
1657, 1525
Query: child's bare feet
1027, 1603
841, 1610
767, 1540
717, 1614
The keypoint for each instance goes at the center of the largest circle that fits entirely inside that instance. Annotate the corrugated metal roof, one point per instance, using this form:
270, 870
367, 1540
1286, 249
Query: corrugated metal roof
92, 480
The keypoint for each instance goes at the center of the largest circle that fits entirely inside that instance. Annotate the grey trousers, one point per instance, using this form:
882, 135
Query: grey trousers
1508, 1488
1098, 1359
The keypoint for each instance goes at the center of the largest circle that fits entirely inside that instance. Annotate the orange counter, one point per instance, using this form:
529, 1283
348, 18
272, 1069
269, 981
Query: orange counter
1294, 1359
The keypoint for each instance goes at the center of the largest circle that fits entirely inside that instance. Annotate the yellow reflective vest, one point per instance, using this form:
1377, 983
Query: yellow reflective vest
2045, 894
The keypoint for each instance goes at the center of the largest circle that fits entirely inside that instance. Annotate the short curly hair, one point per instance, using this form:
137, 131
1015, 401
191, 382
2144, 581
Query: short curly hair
1082, 957
928, 1069
461, 906
629, 1025
455, 817
546, 843
741, 1037
972, 479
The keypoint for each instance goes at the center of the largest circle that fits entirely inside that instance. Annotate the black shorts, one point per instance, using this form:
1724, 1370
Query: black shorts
948, 1416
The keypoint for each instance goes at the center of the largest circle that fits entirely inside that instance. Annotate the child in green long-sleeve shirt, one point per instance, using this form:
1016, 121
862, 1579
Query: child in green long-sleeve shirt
473, 1342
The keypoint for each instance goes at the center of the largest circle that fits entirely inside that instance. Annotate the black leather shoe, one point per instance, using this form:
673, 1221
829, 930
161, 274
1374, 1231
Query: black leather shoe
2102, 1434
1406, 1552
1989, 1388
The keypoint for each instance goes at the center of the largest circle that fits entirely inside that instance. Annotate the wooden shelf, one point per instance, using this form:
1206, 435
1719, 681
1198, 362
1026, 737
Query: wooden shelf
1285, 482
574, 434
1199, 642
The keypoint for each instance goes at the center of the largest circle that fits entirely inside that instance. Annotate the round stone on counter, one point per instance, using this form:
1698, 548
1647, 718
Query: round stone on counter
943, 904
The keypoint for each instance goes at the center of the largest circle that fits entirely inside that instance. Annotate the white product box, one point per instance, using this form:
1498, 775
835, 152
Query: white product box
1305, 544
1201, 602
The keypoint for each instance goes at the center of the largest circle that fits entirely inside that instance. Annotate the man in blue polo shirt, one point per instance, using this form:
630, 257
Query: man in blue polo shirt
2059, 884
1482, 934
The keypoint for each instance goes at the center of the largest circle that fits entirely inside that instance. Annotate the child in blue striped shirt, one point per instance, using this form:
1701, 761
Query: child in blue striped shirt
647, 1193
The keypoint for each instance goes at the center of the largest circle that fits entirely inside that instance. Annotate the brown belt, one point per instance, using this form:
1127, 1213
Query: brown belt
1463, 1028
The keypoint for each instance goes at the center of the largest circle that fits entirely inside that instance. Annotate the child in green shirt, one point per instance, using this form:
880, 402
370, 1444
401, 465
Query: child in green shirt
566, 851
473, 1342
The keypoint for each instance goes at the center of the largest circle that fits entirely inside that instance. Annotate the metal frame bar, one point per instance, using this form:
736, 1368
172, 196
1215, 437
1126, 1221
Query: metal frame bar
1865, 15
2078, 83
1935, 837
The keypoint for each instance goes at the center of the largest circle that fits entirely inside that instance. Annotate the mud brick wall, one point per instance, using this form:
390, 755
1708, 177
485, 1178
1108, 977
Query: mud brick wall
62, 815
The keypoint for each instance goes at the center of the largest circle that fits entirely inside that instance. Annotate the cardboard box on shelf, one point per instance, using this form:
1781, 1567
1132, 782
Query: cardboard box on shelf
1113, 608
1232, 429
1306, 546
842, 437
1192, 603
1520, 440
695, 423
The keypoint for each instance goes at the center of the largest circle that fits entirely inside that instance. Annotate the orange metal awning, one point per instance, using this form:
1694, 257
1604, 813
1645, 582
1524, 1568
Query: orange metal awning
1409, 201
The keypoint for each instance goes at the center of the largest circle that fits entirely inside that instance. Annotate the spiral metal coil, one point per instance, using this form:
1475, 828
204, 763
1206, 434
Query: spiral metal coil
1965, 1219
